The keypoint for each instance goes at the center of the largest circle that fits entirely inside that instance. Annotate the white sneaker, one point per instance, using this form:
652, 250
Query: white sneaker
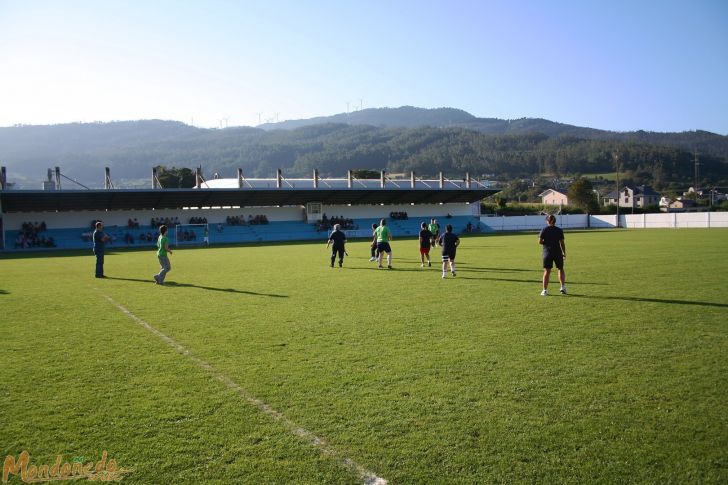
563, 290
372, 259
422, 265
443, 275
544, 293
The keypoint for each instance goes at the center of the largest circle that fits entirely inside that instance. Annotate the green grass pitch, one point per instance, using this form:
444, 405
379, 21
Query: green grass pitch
473, 379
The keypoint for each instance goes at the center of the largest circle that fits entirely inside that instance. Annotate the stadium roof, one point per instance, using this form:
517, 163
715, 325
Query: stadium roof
135, 199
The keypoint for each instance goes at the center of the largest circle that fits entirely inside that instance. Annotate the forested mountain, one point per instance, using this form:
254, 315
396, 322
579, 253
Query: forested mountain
528, 148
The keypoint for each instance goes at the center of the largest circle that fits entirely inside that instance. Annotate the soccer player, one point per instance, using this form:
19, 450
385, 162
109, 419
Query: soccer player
99, 239
554, 252
374, 253
425, 243
434, 228
206, 236
449, 242
338, 239
384, 235
162, 251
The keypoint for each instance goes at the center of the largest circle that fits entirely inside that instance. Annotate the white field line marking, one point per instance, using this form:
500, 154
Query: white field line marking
369, 477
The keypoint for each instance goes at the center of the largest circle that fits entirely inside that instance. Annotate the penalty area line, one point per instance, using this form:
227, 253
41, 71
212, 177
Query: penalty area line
367, 476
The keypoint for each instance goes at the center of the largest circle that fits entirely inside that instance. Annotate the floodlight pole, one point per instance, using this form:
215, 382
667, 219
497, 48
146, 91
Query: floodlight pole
616, 165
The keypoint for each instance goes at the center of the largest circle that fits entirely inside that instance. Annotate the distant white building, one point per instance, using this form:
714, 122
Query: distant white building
553, 197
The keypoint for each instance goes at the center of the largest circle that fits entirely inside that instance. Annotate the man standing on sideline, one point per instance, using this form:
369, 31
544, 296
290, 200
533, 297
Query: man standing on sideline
99, 239
162, 251
384, 235
338, 239
425, 243
449, 242
554, 252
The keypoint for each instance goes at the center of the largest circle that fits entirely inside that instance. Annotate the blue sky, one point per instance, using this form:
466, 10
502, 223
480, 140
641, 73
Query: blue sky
616, 65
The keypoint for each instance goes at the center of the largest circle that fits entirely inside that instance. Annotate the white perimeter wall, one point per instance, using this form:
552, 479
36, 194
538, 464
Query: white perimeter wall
633, 221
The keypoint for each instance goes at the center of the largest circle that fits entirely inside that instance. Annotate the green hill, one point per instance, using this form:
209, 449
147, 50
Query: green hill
396, 140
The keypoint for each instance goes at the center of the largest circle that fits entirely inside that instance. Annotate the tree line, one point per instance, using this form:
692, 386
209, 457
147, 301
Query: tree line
654, 159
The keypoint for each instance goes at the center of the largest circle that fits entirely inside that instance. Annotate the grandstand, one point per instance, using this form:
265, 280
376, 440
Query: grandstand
292, 208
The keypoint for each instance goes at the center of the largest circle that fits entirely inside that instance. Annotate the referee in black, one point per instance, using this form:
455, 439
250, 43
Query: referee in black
338, 239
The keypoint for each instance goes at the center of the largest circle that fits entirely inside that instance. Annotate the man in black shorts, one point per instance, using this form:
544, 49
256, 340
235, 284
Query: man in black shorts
338, 238
449, 243
554, 252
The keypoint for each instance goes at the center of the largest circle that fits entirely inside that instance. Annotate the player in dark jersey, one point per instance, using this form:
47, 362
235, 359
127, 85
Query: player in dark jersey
449, 242
373, 245
338, 239
554, 252
425, 243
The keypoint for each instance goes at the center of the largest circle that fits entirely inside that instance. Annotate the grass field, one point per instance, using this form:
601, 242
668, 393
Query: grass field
278, 369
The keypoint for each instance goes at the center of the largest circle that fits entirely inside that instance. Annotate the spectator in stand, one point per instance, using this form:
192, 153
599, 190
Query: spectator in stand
99, 240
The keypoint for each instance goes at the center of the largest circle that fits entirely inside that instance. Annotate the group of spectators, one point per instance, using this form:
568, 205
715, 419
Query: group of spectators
186, 235
158, 221
198, 220
402, 216
132, 224
241, 221
148, 237
326, 223
236, 220
30, 236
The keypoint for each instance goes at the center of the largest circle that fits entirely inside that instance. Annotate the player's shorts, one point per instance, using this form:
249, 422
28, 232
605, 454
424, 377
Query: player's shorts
549, 261
425, 250
383, 247
448, 256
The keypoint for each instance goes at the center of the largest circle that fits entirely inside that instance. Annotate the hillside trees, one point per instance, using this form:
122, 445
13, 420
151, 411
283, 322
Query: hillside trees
581, 194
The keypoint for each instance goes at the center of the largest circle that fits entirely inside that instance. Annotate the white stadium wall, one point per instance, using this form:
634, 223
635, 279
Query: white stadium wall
673, 220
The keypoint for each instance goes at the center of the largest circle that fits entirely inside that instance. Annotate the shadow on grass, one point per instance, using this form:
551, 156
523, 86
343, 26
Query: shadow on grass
499, 270
394, 268
650, 300
463, 275
4, 292
210, 288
